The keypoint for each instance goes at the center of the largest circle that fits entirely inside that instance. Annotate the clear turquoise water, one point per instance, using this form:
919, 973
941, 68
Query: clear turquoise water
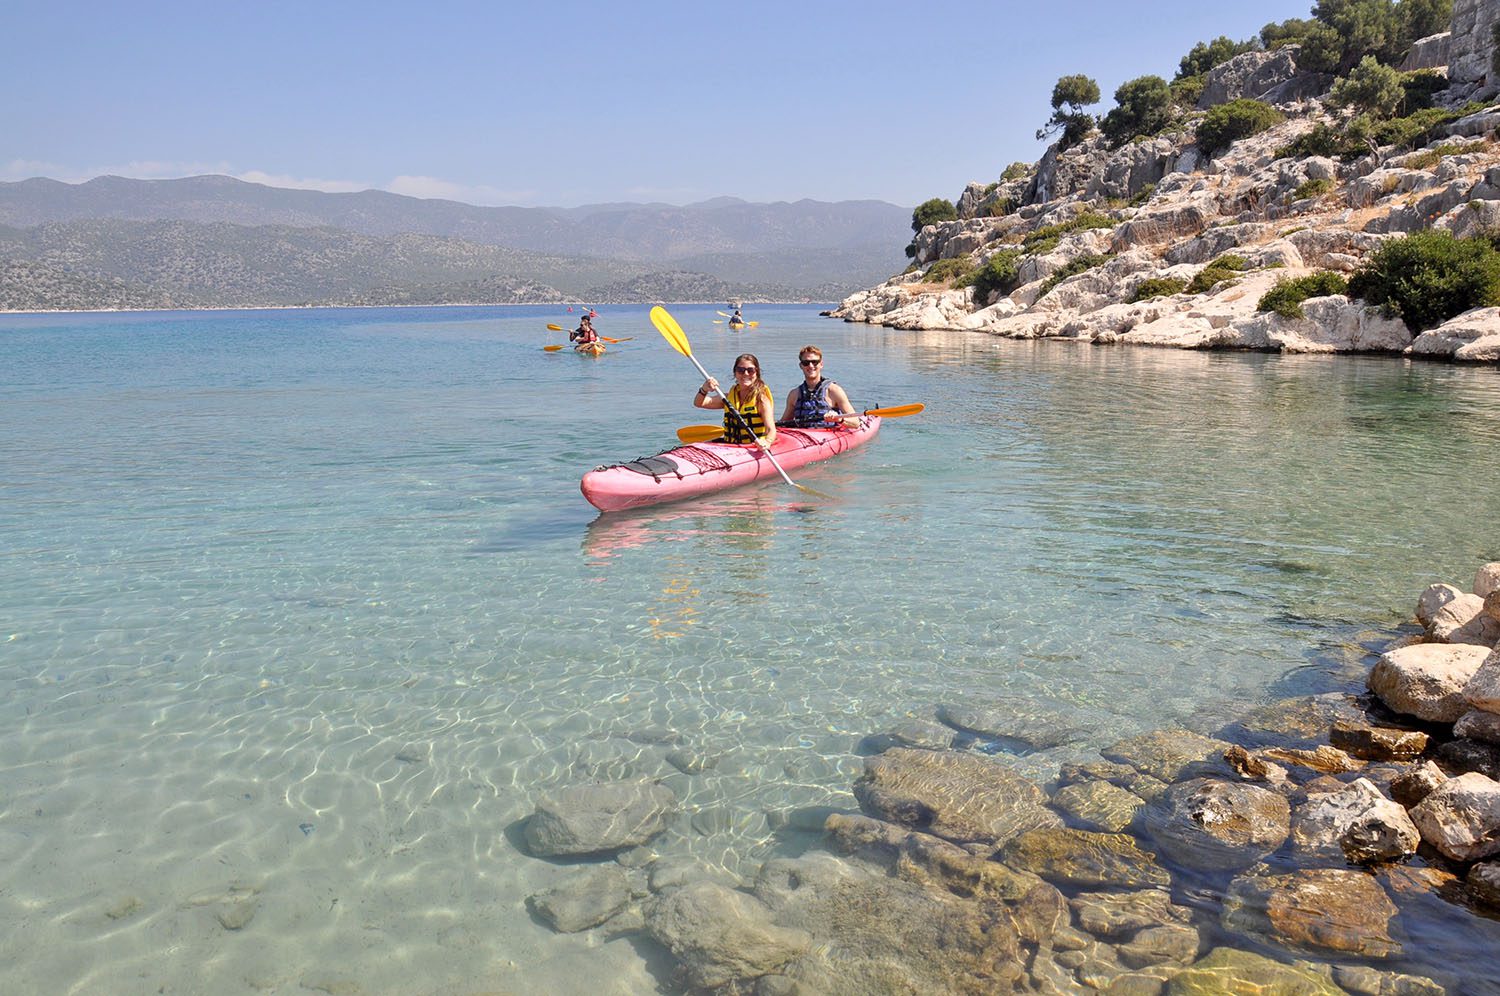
304, 609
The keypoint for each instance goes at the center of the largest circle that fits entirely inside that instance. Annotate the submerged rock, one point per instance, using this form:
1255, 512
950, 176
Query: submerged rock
1081, 858
583, 900
1099, 805
595, 818
1317, 910
1216, 825
1171, 755
962, 797
1228, 970
719, 935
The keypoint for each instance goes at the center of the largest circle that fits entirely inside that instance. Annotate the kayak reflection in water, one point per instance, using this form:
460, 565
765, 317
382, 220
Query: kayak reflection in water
749, 397
817, 402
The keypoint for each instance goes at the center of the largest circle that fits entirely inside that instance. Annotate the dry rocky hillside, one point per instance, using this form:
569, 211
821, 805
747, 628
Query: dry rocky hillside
1090, 226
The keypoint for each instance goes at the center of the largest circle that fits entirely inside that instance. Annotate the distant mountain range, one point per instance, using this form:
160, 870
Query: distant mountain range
214, 241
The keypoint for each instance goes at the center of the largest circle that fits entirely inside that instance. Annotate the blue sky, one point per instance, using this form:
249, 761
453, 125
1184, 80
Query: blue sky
562, 103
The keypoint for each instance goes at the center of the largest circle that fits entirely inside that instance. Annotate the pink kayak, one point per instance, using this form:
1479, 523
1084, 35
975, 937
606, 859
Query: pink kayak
701, 468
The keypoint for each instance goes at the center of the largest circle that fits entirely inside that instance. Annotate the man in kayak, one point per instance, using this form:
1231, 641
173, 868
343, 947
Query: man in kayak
736, 321
817, 402
584, 334
750, 397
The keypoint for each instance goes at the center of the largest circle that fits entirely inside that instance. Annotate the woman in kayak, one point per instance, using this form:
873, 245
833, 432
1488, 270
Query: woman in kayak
750, 397
809, 404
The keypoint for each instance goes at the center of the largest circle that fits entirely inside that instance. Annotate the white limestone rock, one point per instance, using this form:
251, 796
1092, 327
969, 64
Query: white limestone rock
1427, 680
1472, 337
1461, 817
1487, 579
1358, 824
1482, 690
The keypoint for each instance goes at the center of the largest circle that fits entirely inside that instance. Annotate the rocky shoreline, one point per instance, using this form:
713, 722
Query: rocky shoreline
1119, 245
1347, 842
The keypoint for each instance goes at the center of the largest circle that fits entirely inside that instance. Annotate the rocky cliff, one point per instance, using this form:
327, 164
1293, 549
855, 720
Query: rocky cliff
1095, 234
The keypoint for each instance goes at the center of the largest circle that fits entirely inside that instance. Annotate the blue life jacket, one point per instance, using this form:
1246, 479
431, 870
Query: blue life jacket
812, 406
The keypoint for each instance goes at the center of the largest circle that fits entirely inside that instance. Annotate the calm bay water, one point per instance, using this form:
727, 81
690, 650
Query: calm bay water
300, 611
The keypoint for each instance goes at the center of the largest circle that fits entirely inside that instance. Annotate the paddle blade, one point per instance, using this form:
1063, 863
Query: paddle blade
670, 330
551, 349
608, 339
556, 328
699, 433
898, 411
752, 324
724, 313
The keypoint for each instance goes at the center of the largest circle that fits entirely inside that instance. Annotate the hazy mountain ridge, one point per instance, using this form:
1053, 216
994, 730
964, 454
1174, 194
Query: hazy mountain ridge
214, 241
634, 231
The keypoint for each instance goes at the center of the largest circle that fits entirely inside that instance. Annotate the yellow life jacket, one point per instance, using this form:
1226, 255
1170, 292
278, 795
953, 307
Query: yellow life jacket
734, 429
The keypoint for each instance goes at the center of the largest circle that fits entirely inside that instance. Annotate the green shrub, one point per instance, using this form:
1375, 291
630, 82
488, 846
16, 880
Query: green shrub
1429, 277
1226, 267
1312, 188
1158, 287
1186, 91
1370, 88
1418, 87
1322, 140
1143, 195
1002, 207
931, 212
1426, 159
950, 271
1080, 265
1206, 55
911, 251
1143, 107
1415, 130
1225, 124
1286, 297
1016, 171
1045, 239
997, 275
1322, 46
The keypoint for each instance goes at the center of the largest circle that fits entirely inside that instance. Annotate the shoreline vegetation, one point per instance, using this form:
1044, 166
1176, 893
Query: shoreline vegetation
1344, 842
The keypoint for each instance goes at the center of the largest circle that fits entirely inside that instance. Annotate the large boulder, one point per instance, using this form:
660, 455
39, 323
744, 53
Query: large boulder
1470, 45
598, 818
1472, 337
1482, 690
1461, 817
1253, 75
1426, 680
1357, 824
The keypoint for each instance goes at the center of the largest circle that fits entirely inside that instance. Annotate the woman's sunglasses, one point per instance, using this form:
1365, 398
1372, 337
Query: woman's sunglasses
744, 370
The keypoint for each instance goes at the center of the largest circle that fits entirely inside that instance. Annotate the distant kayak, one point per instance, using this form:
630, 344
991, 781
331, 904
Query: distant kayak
703, 468
589, 348
736, 326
